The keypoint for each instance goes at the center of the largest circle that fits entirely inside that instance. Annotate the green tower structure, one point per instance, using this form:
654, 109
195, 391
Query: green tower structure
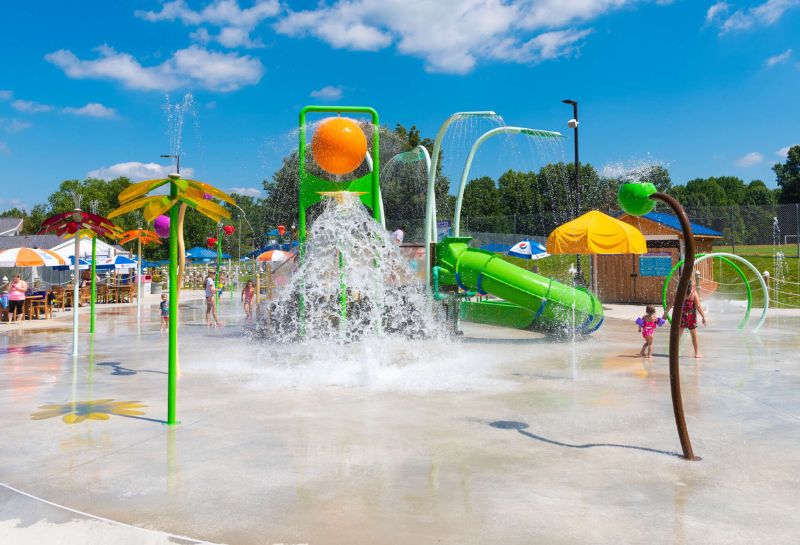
311, 186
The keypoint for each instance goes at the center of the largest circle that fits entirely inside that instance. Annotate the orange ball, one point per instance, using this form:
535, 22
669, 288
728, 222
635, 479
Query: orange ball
339, 145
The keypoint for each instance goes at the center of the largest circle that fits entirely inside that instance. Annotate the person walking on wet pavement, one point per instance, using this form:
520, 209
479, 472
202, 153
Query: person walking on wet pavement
211, 304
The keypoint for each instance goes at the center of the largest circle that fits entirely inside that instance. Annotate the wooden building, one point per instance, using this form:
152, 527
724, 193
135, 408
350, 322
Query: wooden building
640, 278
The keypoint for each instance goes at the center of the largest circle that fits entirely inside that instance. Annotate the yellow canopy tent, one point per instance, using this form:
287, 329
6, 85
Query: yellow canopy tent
596, 233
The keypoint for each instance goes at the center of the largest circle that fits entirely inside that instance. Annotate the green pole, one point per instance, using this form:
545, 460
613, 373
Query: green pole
342, 291
173, 308
94, 284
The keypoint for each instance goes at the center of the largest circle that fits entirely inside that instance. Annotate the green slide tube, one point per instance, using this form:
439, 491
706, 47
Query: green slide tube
544, 304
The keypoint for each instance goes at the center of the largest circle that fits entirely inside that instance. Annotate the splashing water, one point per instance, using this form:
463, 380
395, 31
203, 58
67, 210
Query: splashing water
176, 114
352, 283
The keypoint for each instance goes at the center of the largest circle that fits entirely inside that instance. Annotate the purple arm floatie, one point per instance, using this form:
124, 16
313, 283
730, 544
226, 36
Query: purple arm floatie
661, 321
640, 322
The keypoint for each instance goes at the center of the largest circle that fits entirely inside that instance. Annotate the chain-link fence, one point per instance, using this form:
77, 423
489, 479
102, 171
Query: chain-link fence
766, 235
771, 228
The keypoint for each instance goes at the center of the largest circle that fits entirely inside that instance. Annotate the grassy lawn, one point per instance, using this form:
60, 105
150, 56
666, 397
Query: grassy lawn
789, 250
788, 291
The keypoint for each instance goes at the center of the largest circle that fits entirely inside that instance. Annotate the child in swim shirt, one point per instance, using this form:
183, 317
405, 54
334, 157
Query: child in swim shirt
647, 327
164, 308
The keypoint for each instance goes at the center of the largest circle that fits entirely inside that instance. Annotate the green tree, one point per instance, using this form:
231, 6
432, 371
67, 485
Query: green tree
788, 176
520, 199
658, 176
757, 193
482, 208
252, 221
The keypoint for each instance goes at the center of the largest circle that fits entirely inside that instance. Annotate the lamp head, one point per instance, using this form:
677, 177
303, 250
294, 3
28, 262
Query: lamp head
568, 101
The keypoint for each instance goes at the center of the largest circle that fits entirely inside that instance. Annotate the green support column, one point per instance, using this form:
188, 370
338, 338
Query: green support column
173, 308
342, 293
94, 284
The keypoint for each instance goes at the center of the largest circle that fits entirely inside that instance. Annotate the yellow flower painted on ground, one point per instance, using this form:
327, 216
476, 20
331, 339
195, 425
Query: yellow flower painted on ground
78, 411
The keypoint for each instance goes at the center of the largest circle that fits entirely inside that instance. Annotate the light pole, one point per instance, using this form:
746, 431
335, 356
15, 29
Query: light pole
573, 124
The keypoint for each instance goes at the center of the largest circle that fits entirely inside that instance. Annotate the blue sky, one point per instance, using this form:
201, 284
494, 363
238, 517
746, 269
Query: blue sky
704, 87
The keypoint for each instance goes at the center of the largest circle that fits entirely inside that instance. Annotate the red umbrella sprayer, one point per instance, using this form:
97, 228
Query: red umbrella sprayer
79, 223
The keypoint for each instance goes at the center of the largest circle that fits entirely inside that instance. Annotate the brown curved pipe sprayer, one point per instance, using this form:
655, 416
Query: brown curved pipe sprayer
675, 326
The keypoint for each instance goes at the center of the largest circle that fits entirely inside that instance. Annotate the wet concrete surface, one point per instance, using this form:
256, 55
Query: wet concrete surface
499, 437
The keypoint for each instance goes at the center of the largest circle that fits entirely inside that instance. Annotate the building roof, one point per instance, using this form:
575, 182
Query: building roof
30, 241
672, 222
10, 226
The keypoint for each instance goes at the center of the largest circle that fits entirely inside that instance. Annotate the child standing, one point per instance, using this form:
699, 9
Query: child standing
247, 298
164, 306
647, 327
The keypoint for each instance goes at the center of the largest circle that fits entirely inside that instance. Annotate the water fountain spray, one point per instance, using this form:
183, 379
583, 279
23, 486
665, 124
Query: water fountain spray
468, 165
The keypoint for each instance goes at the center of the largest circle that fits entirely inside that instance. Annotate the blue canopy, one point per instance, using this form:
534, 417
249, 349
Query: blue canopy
199, 252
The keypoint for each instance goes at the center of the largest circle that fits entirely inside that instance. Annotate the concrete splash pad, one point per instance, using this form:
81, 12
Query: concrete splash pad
499, 438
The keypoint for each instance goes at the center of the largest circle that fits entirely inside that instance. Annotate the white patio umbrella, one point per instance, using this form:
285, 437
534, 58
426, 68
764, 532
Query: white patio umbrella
29, 257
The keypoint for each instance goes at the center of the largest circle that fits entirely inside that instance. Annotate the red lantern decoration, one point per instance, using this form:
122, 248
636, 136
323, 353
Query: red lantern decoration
212, 242
281, 229
72, 228
229, 229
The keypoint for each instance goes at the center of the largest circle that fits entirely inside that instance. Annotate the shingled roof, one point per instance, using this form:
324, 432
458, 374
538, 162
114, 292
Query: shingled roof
10, 226
30, 241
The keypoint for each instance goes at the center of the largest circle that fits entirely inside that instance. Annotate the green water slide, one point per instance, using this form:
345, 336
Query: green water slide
530, 301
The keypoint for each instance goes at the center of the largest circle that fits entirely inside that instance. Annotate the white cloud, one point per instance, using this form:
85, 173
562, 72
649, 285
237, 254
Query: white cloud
7, 204
783, 152
779, 59
4, 150
136, 171
329, 92
190, 67
749, 159
246, 191
764, 14
28, 106
235, 23
14, 125
452, 36
5, 94
716, 10
92, 109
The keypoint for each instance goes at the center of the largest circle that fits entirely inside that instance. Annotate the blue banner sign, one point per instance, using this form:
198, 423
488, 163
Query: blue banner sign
655, 264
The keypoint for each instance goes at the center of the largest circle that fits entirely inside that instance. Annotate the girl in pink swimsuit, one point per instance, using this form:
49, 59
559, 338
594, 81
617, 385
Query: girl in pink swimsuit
647, 327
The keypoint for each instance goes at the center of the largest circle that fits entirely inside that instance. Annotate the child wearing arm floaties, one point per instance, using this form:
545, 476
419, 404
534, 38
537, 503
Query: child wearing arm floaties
647, 327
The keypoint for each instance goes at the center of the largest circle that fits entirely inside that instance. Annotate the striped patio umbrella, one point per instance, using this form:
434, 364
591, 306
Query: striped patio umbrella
29, 257
528, 249
274, 256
